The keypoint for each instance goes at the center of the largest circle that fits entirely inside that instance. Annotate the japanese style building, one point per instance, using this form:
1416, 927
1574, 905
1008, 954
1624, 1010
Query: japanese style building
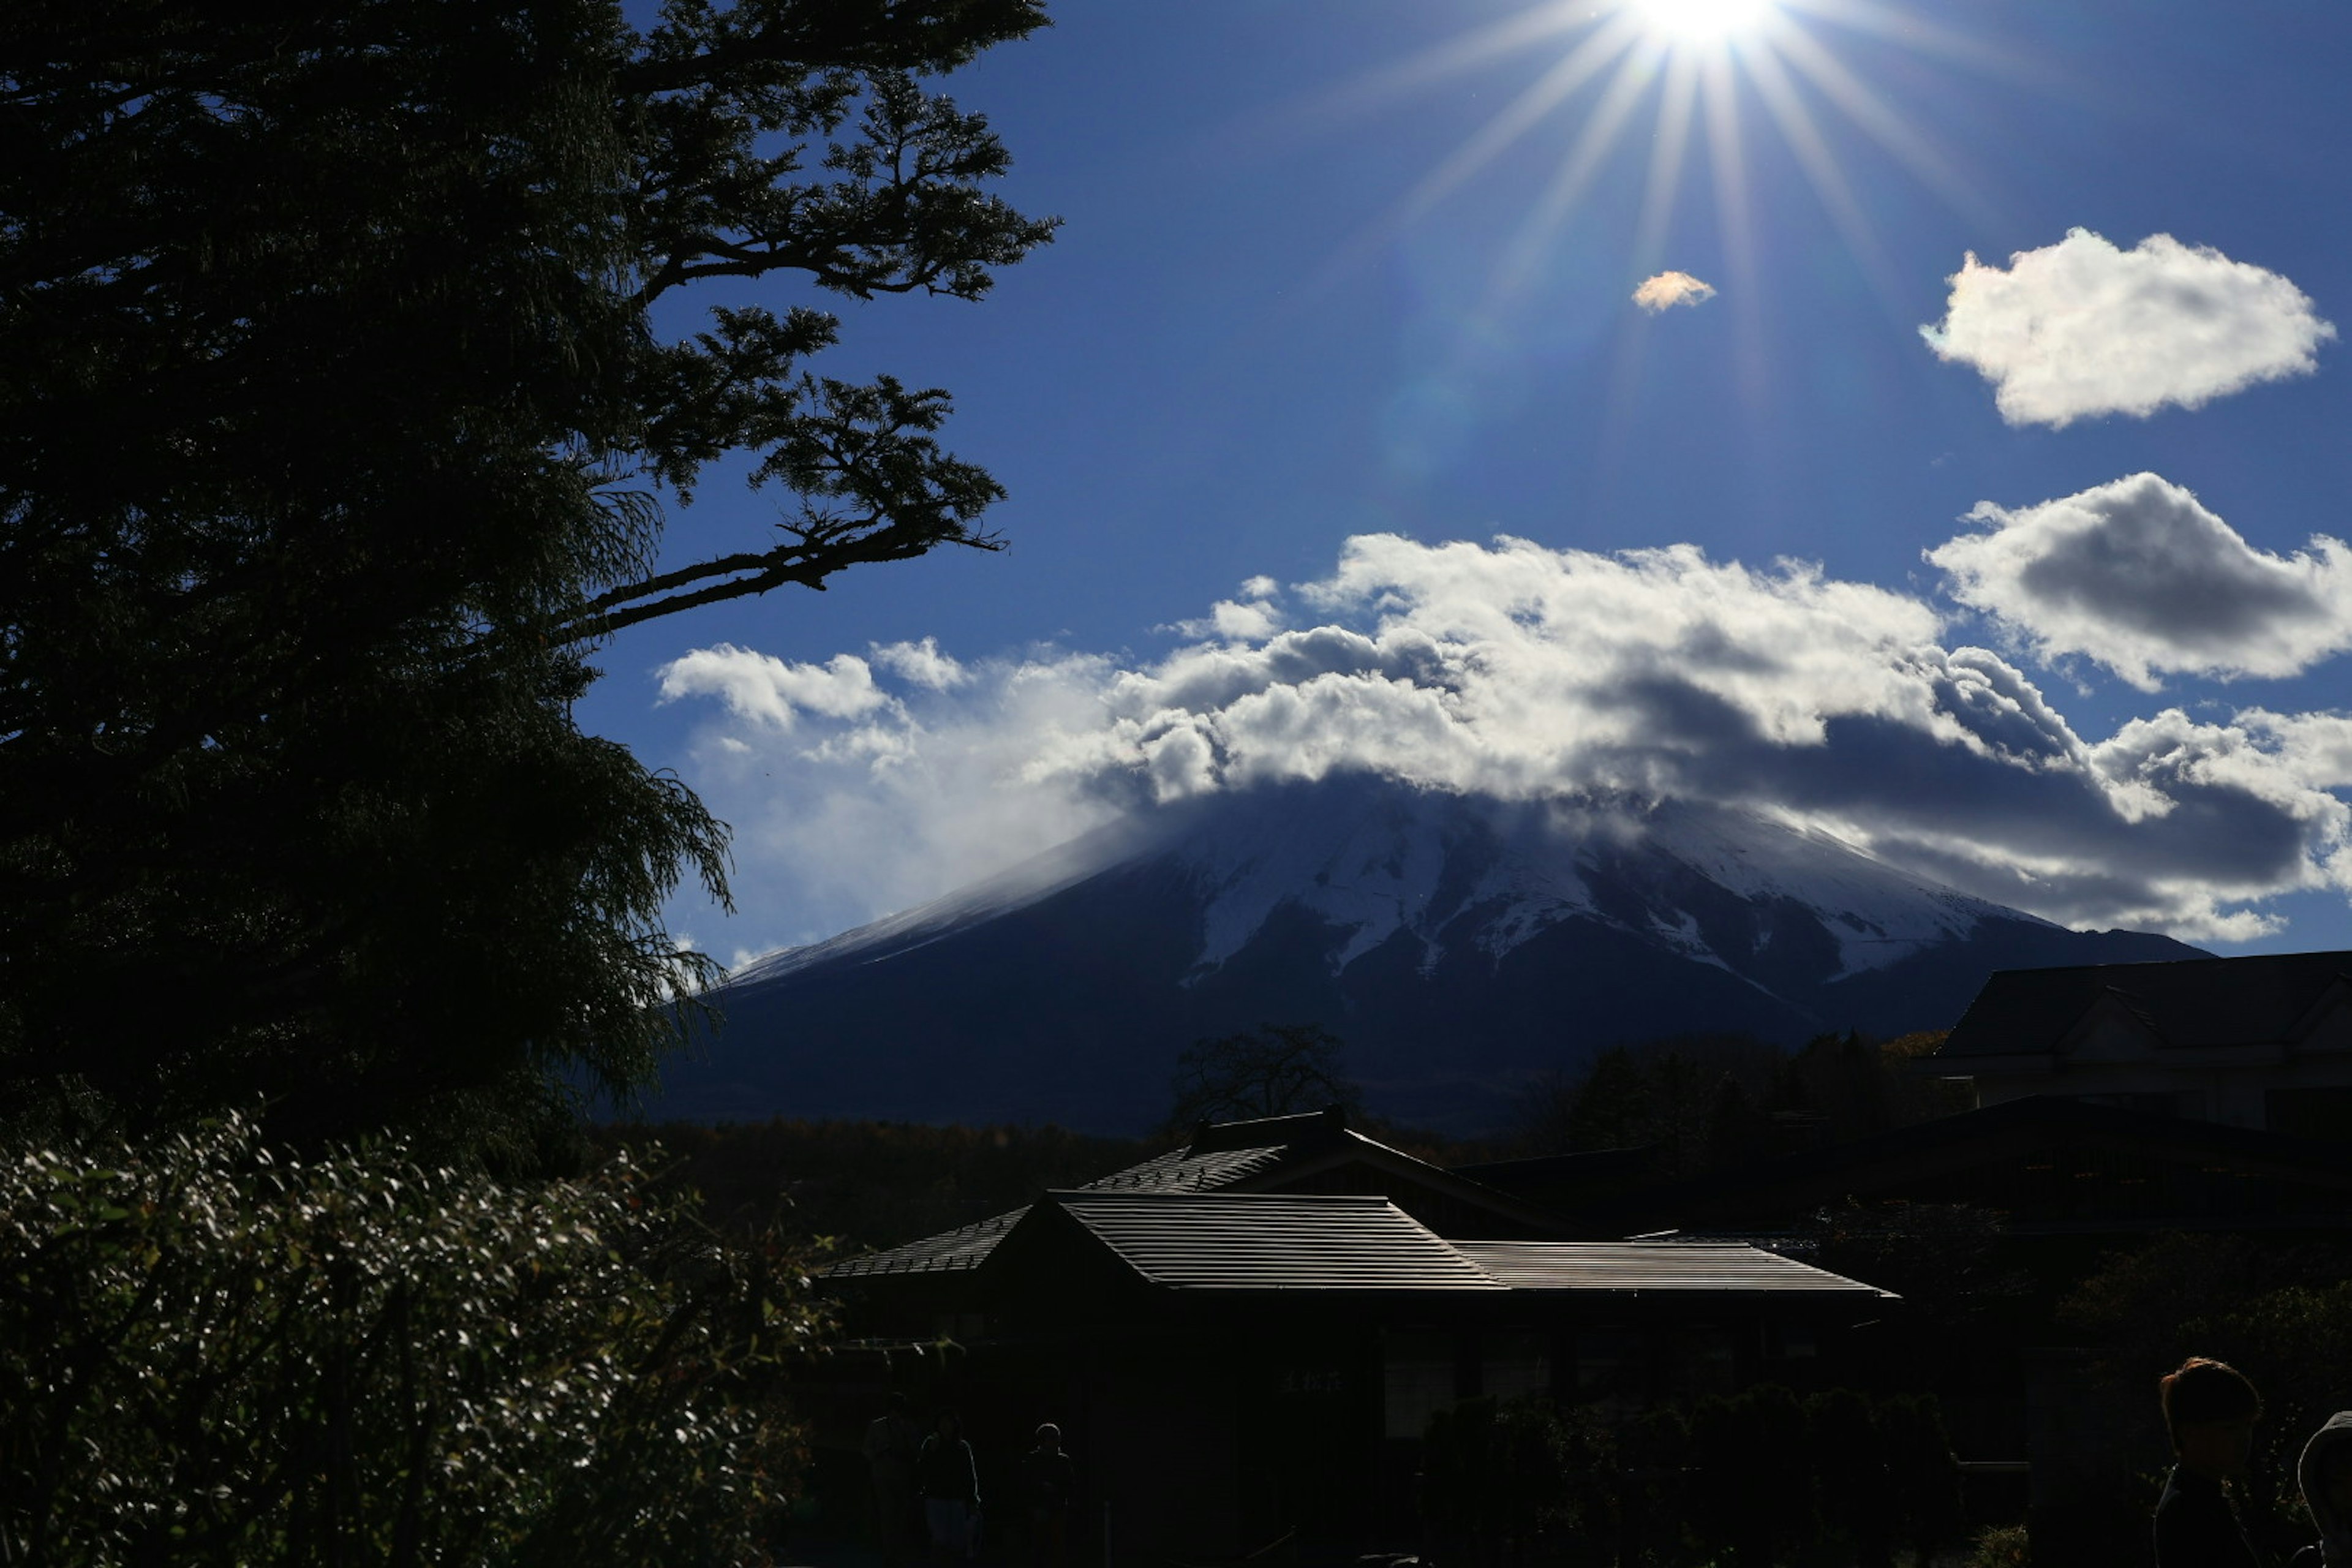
2263, 1043
1247, 1337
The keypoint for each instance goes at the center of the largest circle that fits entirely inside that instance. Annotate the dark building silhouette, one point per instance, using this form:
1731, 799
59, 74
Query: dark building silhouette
1247, 1336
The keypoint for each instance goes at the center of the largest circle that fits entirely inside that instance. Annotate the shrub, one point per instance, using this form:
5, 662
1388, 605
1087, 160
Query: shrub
2000, 1546
209, 1352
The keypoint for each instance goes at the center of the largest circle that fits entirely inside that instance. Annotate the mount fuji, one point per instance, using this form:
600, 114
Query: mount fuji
1456, 943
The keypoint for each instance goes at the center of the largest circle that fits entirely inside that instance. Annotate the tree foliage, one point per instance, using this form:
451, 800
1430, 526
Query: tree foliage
870, 1183
208, 1354
1706, 1102
2278, 1310
1271, 1070
333, 427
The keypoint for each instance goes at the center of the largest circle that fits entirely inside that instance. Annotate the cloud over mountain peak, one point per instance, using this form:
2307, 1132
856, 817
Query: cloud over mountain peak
1517, 672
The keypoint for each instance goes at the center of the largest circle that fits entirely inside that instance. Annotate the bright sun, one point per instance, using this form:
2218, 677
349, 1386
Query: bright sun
1702, 21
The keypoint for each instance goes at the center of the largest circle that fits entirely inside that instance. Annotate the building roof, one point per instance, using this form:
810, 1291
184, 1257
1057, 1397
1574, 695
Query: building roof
1235, 1243
1194, 1170
1224, 1157
949, 1252
1252, 1241
2189, 1003
1717, 1267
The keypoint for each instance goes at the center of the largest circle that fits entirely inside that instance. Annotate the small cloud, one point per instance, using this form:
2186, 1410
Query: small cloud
921, 663
2081, 328
1249, 619
1668, 290
2138, 575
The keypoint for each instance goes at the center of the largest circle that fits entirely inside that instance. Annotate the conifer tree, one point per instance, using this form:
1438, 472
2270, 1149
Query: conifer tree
336, 431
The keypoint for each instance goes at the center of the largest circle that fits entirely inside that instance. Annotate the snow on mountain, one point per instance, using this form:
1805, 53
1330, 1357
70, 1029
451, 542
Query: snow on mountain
1457, 943
1372, 860
1398, 862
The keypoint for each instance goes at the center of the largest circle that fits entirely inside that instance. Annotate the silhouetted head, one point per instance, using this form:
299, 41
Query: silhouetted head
2211, 1409
894, 1402
1049, 1436
948, 1424
2325, 1472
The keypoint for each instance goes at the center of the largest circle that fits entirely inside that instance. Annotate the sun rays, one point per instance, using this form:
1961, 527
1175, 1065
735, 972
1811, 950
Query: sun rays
1683, 70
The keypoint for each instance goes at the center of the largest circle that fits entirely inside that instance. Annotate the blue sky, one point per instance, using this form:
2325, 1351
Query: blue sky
1273, 324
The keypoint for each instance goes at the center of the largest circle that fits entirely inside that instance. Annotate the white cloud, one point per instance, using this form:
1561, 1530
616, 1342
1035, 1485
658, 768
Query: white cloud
760, 686
922, 663
2080, 327
1522, 671
1250, 618
2140, 577
1668, 290
1239, 622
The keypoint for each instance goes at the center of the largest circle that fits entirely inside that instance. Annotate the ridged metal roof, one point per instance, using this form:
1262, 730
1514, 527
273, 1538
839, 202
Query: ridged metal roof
948, 1252
1248, 1241
1650, 1266
1183, 1171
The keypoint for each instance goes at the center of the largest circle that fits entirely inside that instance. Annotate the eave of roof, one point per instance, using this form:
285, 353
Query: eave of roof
949, 1252
1719, 1269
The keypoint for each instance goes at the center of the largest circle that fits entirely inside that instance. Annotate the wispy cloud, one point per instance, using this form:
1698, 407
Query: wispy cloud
1522, 672
2140, 577
2081, 328
1668, 290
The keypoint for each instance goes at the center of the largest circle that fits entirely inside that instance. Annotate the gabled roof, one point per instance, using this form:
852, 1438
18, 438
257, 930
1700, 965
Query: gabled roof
1720, 1267
1226, 1157
1194, 1170
949, 1252
1272, 1243
2198, 1003
1277, 1152
1246, 1241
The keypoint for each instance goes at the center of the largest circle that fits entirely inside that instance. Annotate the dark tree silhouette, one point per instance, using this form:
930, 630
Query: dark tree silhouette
333, 426
1274, 1070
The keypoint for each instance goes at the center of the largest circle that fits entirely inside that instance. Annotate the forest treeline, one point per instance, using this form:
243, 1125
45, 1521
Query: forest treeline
1699, 1103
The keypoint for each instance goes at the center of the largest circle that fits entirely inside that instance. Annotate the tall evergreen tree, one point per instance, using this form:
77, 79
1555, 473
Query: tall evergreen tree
333, 429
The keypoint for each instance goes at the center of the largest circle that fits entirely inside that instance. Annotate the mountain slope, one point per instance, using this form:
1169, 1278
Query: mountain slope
1456, 943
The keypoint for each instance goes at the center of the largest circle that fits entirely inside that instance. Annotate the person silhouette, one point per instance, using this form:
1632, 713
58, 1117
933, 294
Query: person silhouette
893, 1442
949, 1483
2211, 1409
1050, 1481
2325, 1472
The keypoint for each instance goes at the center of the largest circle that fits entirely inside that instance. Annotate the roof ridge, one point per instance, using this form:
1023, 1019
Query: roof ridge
1221, 1194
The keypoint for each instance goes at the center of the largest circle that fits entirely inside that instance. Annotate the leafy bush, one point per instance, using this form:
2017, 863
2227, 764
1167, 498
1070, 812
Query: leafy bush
2000, 1546
212, 1353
